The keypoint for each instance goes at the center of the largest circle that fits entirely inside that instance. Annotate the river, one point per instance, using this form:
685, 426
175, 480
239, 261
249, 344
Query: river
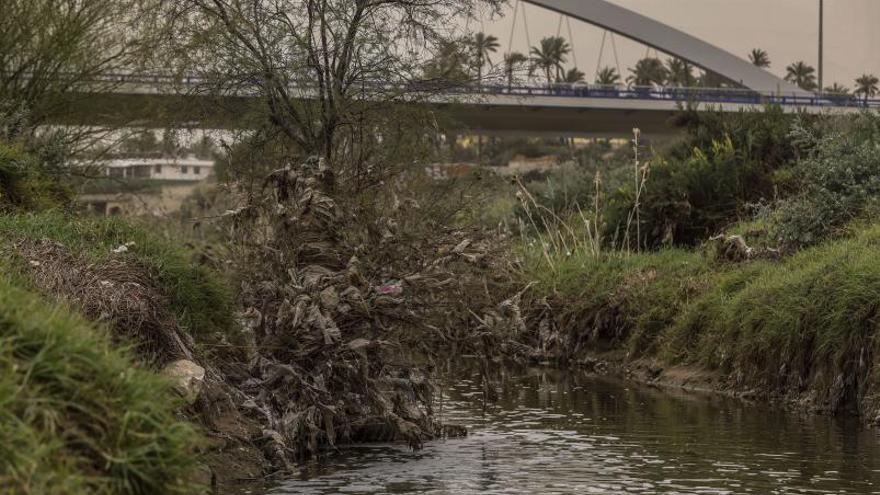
563, 432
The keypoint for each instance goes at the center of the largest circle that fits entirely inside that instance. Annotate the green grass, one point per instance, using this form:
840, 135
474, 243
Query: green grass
77, 416
808, 318
626, 298
201, 301
816, 308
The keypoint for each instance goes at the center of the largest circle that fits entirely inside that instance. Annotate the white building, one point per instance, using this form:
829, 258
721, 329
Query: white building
186, 169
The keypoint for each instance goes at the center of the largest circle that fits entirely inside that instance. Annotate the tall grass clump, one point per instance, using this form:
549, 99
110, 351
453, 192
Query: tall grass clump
27, 183
77, 416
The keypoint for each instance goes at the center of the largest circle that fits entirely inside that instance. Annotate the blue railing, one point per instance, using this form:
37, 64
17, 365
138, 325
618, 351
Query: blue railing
679, 94
653, 93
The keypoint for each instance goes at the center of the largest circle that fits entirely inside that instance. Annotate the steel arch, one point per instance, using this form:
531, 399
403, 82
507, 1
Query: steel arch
670, 40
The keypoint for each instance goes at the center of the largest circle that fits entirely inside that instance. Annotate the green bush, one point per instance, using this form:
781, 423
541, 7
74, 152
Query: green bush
26, 184
838, 179
79, 417
707, 180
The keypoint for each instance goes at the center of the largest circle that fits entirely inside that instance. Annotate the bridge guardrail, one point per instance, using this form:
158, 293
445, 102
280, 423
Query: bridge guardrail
651, 93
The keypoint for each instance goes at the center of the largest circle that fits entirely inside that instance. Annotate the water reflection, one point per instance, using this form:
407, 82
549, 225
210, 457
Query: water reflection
557, 432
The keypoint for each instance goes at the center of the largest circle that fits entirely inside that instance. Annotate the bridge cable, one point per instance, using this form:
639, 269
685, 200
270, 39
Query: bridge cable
512, 28
571, 39
608, 34
616, 58
528, 36
601, 52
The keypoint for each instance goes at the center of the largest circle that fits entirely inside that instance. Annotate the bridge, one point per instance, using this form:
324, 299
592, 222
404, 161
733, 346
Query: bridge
558, 109
563, 110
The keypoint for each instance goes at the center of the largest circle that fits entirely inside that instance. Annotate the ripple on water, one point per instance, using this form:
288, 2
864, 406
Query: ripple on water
564, 433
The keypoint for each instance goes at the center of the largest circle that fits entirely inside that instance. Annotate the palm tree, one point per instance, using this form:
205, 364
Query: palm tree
759, 58
550, 56
867, 85
802, 75
574, 76
483, 47
608, 76
648, 71
512, 62
836, 89
680, 73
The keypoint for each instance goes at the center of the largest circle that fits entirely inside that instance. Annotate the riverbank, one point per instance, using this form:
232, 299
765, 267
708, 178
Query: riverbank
253, 393
800, 329
91, 313
304, 342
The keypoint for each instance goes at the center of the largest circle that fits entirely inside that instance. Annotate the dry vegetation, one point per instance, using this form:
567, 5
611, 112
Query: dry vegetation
339, 298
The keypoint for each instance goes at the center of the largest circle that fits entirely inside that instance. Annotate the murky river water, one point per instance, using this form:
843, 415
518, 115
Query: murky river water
556, 432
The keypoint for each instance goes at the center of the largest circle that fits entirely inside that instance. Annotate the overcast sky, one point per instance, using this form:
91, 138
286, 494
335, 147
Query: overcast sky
787, 29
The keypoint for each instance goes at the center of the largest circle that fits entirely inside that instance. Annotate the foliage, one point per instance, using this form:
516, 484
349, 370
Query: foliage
648, 71
79, 417
838, 179
449, 65
49, 49
836, 89
550, 56
607, 76
28, 183
866, 85
615, 299
774, 325
483, 46
779, 325
759, 58
574, 75
513, 62
336, 48
710, 79
708, 179
680, 73
802, 75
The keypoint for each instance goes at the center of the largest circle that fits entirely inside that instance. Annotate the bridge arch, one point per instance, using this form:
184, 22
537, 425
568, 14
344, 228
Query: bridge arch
670, 40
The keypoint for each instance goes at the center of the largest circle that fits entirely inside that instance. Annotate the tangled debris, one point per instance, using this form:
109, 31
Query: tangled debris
116, 292
733, 248
337, 298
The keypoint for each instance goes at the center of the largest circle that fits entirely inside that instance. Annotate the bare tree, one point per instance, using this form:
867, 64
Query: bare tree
51, 50
326, 69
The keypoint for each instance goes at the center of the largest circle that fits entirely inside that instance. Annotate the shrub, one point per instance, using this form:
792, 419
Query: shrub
705, 181
839, 180
26, 184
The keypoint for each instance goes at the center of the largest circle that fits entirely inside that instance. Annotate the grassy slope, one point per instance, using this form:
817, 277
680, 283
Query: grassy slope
807, 322
201, 302
77, 416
